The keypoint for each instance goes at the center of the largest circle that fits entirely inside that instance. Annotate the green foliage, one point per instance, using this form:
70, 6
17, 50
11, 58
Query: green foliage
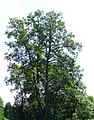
2, 110
8, 111
43, 68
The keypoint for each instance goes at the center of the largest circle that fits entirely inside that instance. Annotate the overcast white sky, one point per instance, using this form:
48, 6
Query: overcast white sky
79, 19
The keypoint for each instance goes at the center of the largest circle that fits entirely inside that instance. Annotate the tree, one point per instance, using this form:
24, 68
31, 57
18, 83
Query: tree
85, 108
2, 110
8, 111
43, 66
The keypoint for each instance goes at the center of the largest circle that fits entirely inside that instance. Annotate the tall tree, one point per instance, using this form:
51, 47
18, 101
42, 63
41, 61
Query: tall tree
43, 66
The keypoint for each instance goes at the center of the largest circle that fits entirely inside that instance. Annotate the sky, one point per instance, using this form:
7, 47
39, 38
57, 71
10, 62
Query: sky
79, 19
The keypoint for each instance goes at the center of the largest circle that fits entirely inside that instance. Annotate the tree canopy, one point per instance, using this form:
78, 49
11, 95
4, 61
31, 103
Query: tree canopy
43, 70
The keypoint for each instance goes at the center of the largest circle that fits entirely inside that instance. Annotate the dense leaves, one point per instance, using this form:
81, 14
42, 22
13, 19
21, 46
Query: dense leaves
2, 110
43, 70
8, 111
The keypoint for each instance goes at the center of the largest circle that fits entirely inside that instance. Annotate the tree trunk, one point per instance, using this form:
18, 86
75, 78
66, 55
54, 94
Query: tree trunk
47, 81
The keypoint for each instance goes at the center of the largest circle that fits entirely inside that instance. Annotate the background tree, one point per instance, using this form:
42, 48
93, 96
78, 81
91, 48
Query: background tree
43, 67
2, 110
8, 111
